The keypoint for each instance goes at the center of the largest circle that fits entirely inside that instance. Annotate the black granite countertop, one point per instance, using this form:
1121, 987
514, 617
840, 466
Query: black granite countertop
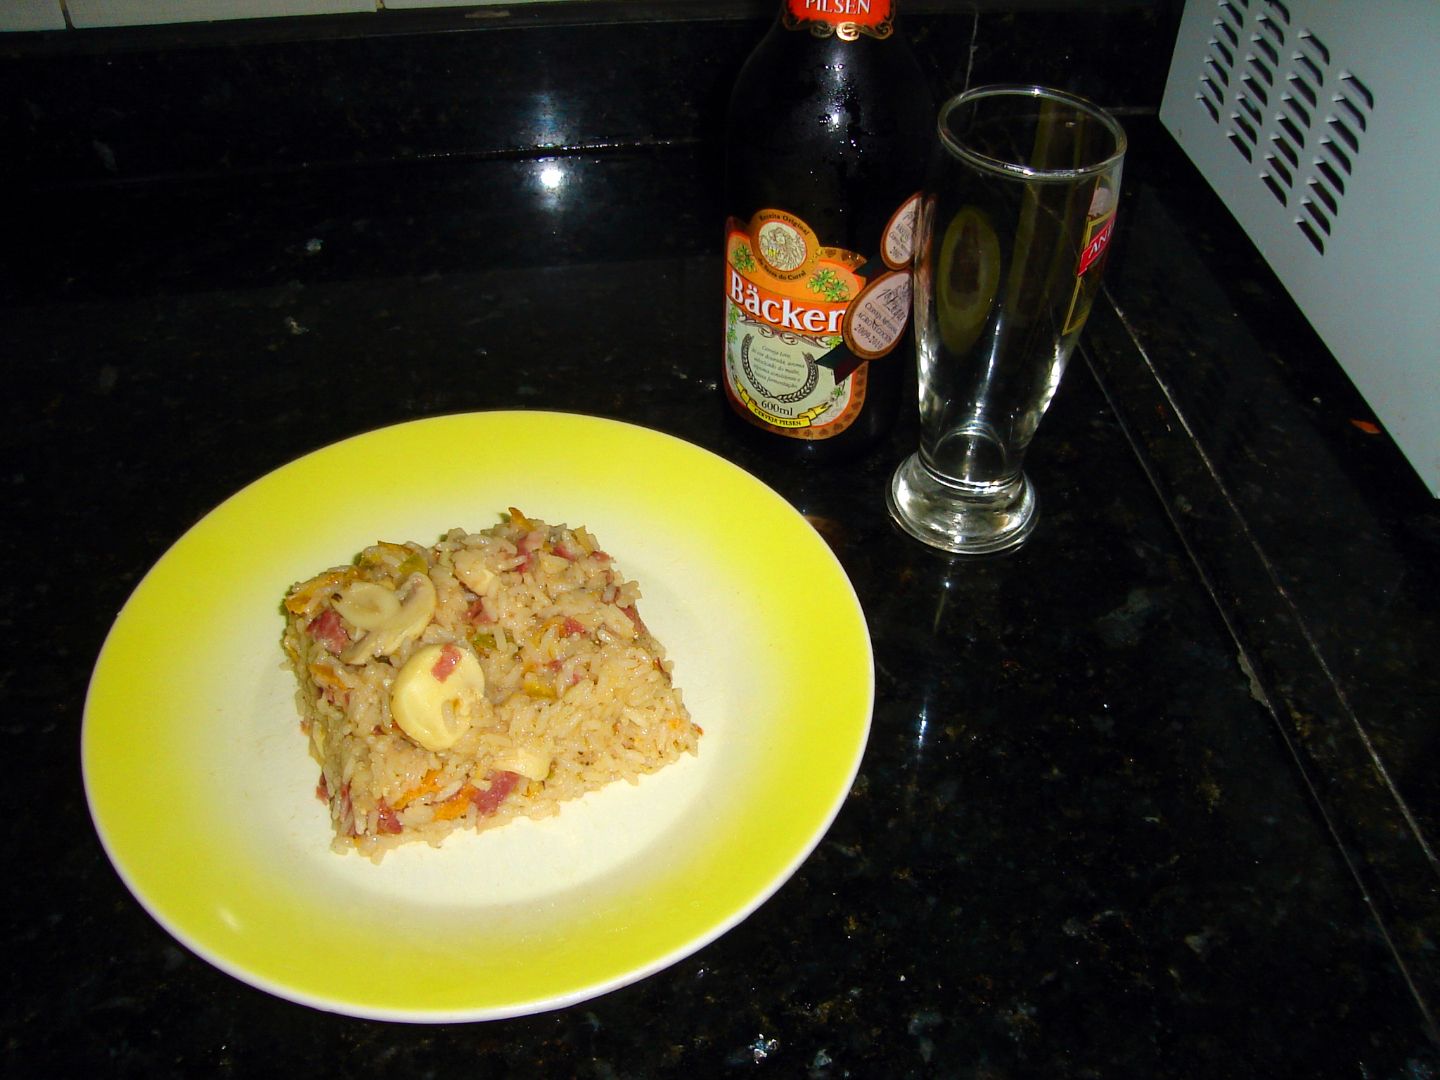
1153, 796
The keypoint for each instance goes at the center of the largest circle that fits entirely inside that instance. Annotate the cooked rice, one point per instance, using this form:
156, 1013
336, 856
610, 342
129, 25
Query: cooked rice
577, 692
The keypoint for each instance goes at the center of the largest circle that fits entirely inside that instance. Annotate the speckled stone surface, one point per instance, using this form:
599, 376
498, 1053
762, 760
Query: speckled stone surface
1320, 545
1108, 823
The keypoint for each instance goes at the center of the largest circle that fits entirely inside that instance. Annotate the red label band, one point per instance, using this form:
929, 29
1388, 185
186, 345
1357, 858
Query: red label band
1096, 247
859, 12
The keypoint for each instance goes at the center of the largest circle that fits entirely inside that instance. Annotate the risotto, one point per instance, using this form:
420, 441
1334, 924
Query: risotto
490, 676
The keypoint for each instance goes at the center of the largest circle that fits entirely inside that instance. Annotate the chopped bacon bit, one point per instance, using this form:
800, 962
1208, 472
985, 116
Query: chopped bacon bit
448, 662
566, 552
602, 556
327, 629
501, 784
571, 626
533, 540
527, 563
388, 822
322, 789
631, 611
476, 613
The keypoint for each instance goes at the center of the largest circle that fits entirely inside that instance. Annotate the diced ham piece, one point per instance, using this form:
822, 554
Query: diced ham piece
501, 784
327, 629
571, 626
347, 809
388, 822
533, 540
448, 662
631, 611
476, 613
322, 790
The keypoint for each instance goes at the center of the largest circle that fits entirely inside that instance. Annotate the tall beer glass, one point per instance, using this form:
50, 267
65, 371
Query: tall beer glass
1014, 224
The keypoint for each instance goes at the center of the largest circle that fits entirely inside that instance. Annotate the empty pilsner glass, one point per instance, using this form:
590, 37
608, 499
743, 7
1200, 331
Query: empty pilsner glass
1014, 224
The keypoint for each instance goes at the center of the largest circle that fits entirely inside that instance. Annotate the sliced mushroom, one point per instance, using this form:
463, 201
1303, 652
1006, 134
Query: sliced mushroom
438, 695
367, 605
416, 609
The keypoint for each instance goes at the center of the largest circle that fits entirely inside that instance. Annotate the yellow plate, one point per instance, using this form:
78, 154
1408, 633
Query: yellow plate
203, 793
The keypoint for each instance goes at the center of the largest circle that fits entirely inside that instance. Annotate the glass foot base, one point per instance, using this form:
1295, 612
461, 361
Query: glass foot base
967, 519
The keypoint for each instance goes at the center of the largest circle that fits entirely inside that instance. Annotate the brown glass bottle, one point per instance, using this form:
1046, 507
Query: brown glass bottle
828, 129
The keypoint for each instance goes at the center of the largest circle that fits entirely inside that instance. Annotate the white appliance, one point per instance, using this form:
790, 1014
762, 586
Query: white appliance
1318, 124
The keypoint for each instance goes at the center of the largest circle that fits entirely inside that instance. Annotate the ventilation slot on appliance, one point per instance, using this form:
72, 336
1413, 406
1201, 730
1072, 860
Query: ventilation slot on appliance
1285, 110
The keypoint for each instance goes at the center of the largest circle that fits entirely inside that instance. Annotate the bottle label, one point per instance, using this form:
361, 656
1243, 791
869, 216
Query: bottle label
1099, 227
847, 19
802, 319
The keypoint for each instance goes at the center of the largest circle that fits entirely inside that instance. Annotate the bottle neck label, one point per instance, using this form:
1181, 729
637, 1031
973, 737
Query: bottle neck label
847, 19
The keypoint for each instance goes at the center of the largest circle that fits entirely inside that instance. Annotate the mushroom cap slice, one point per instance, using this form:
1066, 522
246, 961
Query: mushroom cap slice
438, 696
367, 605
416, 609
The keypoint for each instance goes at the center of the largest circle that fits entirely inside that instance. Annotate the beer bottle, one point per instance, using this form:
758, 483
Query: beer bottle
827, 133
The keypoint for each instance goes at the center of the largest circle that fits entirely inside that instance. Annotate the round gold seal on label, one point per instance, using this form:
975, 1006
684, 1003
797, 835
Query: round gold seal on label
785, 245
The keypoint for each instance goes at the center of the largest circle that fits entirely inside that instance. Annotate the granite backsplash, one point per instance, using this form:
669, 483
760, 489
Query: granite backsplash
227, 99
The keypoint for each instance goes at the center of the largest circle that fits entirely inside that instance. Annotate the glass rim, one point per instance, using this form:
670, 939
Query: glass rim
1029, 172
